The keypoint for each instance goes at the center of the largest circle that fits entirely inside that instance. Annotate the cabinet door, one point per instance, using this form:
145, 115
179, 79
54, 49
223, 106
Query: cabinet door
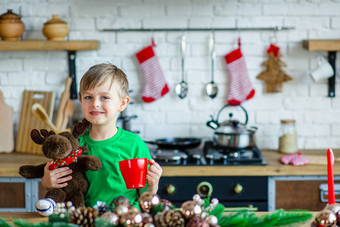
12, 195
300, 194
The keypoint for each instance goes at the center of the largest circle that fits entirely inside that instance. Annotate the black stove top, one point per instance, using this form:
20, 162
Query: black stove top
210, 154
218, 155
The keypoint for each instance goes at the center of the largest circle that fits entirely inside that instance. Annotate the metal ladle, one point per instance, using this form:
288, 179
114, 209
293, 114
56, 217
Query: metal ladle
181, 88
211, 88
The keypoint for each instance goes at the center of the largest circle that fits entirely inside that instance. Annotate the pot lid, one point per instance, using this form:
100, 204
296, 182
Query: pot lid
9, 15
232, 127
55, 20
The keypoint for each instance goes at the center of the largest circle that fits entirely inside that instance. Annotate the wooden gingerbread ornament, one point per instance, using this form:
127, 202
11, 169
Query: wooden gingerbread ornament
273, 75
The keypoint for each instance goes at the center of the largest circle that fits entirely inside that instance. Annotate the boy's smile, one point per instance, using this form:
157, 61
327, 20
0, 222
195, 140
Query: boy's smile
95, 113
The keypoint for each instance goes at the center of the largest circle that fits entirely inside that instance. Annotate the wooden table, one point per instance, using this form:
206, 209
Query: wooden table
34, 217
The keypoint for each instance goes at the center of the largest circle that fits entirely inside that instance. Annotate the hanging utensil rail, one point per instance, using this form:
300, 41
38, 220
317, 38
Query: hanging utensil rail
276, 28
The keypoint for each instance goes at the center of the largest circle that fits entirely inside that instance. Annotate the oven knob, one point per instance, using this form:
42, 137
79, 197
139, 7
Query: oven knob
238, 189
170, 189
204, 189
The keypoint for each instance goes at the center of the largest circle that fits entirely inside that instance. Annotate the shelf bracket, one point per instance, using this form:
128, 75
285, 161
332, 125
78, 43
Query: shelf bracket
331, 80
72, 73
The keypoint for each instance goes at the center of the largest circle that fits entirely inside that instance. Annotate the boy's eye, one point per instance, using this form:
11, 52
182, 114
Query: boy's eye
87, 97
105, 97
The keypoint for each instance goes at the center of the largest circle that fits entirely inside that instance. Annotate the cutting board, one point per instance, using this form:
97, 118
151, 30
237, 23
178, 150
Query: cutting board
28, 122
6, 129
319, 159
60, 118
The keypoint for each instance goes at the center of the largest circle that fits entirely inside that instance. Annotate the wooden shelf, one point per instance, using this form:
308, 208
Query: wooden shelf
331, 46
322, 45
40, 45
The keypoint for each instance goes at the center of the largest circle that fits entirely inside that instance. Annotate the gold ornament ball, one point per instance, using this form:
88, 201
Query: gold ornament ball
147, 200
326, 218
112, 217
121, 210
131, 219
212, 219
190, 208
120, 200
197, 221
147, 218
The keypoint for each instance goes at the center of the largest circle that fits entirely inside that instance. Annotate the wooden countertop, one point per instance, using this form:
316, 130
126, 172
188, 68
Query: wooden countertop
34, 217
10, 163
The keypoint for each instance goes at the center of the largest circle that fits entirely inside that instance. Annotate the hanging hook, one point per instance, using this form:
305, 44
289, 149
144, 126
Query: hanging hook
212, 44
153, 38
273, 38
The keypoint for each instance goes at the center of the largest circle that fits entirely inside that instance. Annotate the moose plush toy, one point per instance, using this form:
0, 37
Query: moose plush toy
64, 149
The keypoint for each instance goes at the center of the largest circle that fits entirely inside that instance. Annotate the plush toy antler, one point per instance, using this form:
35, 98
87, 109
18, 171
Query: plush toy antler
39, 138
80, 128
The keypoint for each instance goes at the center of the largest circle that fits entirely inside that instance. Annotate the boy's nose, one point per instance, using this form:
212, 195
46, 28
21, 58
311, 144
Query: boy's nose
96, 103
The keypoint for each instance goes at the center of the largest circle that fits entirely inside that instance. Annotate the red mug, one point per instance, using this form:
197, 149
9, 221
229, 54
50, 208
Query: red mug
134, 172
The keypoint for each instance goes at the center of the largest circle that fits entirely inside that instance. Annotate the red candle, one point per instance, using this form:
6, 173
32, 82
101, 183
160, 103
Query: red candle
330, 160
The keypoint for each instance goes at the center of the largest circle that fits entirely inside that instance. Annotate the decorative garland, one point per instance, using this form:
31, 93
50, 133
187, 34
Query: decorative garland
160, 212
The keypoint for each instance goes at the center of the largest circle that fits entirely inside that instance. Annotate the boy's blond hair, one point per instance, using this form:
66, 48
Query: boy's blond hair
98, 74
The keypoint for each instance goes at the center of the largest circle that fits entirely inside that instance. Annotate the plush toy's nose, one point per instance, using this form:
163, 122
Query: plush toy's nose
56, 147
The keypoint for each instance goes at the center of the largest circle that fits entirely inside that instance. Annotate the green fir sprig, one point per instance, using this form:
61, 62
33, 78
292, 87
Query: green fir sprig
277, 218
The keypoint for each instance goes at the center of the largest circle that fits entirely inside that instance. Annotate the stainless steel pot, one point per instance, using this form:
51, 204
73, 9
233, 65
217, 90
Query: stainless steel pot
232, 133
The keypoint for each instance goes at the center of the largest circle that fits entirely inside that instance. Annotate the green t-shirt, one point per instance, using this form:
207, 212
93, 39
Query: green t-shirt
107, 183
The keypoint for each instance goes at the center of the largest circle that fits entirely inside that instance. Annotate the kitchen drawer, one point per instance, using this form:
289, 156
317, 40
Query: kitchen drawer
18, 194
12, 195
301, 194
250, 189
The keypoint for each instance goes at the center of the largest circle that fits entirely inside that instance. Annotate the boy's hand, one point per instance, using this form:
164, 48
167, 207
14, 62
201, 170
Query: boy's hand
153, 175
55, 178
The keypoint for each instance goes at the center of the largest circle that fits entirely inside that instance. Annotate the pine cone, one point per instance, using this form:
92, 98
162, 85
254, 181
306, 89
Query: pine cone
169, 218
84, 216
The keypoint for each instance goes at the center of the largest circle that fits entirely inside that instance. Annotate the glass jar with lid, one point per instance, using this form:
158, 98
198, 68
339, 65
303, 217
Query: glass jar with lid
288, 137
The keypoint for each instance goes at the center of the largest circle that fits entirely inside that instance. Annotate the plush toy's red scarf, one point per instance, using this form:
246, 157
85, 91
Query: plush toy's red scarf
73, 157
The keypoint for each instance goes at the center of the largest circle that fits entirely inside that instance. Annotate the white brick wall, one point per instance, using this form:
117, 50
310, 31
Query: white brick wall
317, 116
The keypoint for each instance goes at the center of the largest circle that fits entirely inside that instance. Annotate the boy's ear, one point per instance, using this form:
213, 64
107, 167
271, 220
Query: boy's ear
124, 103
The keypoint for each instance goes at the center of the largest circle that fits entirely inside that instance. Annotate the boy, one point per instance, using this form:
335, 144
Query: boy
103, 94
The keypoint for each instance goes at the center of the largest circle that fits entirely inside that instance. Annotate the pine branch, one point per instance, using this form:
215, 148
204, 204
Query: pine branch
3, 223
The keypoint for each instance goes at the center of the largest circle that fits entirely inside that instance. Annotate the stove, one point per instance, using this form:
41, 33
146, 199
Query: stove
210, 154
218, 155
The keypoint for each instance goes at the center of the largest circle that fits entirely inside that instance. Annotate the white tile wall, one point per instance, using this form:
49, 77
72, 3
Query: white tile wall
317, 116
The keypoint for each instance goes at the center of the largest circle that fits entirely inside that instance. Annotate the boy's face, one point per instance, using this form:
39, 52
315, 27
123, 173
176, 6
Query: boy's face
102, 104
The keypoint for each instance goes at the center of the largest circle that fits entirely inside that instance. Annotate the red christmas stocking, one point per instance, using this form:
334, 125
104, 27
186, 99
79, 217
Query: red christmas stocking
155, 83
240, 88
